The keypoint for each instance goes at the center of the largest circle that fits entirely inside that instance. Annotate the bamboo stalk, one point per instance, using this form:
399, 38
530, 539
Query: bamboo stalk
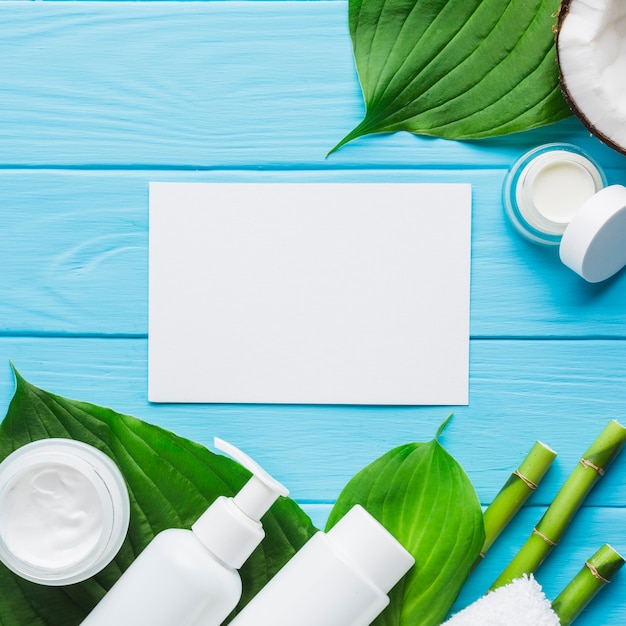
560, 513
517, 489
595, 574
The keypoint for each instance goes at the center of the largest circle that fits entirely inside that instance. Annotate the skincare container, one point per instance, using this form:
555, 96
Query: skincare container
186, 577
556, 195
64, 511
340, 578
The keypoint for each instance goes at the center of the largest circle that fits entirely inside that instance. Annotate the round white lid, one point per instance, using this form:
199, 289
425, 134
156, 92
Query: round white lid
594, 242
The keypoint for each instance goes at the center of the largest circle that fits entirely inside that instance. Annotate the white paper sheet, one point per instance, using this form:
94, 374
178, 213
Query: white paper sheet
340, 293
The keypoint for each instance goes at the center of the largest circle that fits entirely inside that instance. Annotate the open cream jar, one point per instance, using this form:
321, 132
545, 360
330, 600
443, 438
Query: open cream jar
546, 186
64, 511
557, 195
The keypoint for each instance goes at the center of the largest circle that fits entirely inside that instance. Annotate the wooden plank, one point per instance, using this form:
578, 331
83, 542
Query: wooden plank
560, 392
591, 528
520, 391
204, 85
75, 257
110, 95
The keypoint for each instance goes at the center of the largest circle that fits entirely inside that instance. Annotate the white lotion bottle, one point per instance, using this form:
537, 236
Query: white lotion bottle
190, 577
340, 578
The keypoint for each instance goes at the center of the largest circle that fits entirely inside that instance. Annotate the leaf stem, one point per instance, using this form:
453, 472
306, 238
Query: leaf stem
595, 574
516, 491
568, 500
355, 133
443, 425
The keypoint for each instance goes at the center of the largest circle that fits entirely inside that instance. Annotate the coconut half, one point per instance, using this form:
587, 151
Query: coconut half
591, 52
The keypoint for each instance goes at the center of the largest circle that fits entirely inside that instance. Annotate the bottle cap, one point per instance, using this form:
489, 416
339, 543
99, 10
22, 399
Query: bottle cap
375, 552
594, 242
230, 528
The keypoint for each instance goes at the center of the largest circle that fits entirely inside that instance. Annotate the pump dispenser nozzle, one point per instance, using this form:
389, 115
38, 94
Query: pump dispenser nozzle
261, 491
190, 576
230, 528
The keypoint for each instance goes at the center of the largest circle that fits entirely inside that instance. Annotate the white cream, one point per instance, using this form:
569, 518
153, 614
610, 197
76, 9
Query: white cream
51, 516
560, 188
553, 186
64, 511
545, 189
557, 195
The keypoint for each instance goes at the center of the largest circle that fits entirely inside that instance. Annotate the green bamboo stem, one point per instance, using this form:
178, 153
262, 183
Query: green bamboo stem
517, 489
595, 574
560, 513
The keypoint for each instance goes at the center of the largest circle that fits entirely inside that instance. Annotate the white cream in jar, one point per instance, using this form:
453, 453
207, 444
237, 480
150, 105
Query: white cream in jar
64, 511
546, 187
558, 195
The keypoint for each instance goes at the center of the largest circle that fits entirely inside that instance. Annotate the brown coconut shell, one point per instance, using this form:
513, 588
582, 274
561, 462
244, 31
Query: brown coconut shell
571, 102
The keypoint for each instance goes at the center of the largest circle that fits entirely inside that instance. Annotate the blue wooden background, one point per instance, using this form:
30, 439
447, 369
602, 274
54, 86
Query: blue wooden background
98, 98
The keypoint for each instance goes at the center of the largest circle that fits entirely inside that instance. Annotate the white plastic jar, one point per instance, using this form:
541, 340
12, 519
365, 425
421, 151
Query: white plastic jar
64, 511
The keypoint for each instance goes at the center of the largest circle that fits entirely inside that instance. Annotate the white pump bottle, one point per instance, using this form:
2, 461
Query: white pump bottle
189, 577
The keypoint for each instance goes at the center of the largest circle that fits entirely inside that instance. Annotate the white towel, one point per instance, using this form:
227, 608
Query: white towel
520, 603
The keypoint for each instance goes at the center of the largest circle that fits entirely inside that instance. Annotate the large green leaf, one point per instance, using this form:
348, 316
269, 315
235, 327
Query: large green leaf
425, 499
459, 69
171, 482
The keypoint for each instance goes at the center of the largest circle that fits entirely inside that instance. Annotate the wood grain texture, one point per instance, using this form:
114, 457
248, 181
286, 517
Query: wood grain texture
561, 392
204, 85
591, 528
99, 98
75, 257
315, 450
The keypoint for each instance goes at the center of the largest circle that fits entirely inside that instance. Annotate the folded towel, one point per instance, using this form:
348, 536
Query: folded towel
520, 603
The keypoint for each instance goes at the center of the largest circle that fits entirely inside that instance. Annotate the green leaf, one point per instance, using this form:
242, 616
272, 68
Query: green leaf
171, 482
461, 69
425, 499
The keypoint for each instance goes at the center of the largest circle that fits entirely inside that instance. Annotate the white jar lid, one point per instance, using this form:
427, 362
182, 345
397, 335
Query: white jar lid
594, 242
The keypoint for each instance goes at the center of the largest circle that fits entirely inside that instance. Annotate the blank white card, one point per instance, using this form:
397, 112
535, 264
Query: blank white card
338, 293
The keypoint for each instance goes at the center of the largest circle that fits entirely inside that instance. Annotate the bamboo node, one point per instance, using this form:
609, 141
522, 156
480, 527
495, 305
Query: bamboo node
596, 574
529, 483
542, 536
592, 465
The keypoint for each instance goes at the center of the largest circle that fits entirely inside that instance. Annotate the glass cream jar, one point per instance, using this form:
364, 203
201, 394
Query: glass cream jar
546, 187
557, 195
64, 511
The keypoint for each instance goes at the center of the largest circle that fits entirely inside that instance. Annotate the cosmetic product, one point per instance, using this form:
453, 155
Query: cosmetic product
186, 577
339, 578
64, 511
556, 195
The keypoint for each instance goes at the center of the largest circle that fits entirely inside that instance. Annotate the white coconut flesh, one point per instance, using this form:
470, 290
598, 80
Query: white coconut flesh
591, 48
